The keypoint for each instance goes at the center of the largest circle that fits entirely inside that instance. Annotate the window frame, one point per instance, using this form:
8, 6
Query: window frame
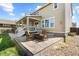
53, 19
49, 26
54, 5
46, 23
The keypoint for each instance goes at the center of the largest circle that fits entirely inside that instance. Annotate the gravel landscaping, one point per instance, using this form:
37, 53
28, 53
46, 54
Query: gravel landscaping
70, 48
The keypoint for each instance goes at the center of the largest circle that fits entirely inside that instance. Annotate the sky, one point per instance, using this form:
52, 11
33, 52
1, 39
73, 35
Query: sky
75, 17
15, 11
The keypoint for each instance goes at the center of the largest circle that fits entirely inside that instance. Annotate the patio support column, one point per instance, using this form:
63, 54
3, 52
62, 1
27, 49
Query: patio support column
22, 22
28, 24
17, 24
27, 21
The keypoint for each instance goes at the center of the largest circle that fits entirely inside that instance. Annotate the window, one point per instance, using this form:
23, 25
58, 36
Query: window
42, 23
55, 5
48, 23
52, 22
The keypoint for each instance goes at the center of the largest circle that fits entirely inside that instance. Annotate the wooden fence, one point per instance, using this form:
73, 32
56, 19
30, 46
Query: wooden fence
76, 30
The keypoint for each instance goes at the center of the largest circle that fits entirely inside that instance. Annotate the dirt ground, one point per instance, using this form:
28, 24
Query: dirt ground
70, 48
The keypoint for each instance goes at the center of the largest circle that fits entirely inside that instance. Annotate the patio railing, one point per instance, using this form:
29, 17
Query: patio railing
32, 28
29, 28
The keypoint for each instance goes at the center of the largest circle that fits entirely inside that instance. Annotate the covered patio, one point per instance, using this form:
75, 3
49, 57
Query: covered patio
30, 20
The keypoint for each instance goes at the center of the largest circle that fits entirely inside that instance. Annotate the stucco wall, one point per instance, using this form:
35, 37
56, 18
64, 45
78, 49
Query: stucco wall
58, 13
62, 16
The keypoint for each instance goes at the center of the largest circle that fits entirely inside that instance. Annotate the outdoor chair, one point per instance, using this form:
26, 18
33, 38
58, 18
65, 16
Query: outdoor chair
41, 36
38, 37
44, 32
29, 36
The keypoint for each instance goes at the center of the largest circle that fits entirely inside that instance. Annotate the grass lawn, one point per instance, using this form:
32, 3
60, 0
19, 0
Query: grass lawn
9, 52
7, 47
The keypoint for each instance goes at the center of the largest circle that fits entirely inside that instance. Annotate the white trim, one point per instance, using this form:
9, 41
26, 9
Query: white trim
49, 22
56, 32
65, 19
33, 15
53, 21
4, 28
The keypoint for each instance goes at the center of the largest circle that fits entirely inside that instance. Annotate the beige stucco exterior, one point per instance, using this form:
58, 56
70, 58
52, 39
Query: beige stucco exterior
57, 13
62, 15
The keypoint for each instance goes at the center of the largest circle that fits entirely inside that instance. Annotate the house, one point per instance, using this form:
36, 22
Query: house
6, 25
54, 17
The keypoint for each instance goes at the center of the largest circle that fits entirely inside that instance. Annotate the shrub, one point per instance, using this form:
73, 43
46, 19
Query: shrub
9, 52
5, 41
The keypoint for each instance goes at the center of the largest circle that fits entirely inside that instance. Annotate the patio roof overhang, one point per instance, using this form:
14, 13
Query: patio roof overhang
34, 17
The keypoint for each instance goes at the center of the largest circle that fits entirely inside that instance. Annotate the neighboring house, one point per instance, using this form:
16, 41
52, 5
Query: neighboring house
54, 17
74, 24
6, 25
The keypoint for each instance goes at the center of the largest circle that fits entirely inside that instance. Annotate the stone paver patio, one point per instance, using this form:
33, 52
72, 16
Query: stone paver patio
35, 47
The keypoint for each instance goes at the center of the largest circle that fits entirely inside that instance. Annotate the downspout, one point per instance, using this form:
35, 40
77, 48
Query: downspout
65, 25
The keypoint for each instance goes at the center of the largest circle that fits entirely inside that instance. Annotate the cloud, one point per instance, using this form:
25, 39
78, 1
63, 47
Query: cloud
23, 14
11, 14
30, 9
8, 7
73, 19
76, 9
38, 7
